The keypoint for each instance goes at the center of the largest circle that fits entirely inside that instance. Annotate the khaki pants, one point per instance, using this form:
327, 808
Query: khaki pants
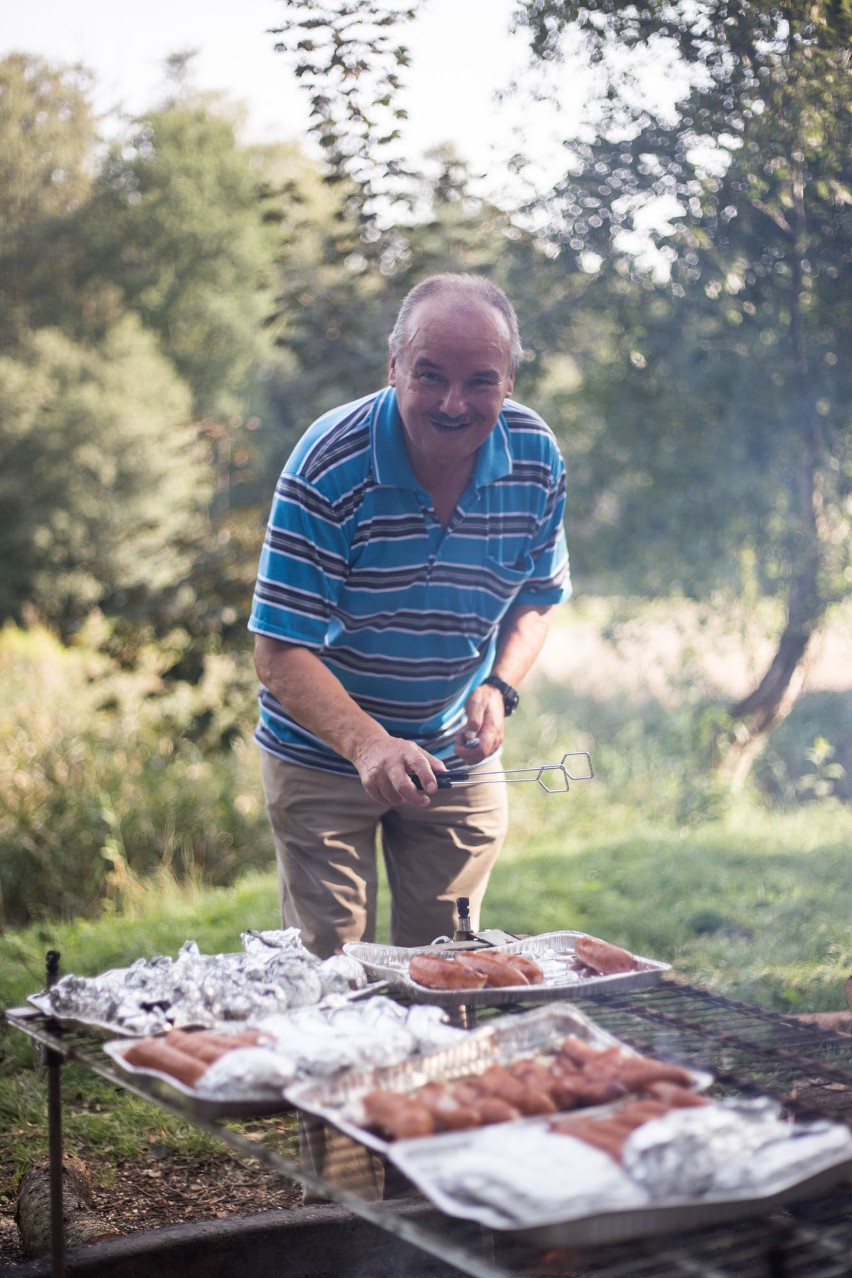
325, 828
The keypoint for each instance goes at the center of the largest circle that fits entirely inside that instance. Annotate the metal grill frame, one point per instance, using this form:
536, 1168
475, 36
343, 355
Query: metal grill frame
749, 1051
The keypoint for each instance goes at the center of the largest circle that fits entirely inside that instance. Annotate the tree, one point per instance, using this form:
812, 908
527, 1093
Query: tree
758, 311
182, 225
48, 134
103, 488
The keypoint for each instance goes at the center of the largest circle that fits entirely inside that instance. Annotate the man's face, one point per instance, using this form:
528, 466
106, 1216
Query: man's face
451, 379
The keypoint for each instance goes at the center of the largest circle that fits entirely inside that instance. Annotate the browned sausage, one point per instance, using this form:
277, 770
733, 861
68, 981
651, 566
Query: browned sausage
449, 1113
491, 1109
497, 1081
603, 958
438, 973
528, 966
497, 975
207, 1046
677, 1097
400, 1117
154, 1053
639, 1072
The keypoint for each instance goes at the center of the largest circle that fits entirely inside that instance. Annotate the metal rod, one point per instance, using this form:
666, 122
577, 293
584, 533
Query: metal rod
53, 1061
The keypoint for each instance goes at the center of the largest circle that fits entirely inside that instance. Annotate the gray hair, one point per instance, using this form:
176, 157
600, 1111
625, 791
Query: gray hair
466, 288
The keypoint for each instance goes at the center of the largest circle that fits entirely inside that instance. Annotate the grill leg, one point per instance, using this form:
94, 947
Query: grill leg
53, 1061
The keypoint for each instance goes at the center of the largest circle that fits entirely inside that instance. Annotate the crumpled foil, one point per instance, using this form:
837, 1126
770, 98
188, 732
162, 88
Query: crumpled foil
516, 1174
728, 1147
195, 989
337, 1034
246, 1073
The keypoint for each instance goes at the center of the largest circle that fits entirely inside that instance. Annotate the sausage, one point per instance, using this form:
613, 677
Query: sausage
603, 958
155, 1053
497, 975
497, 1081
527, 966
204, 1045
594, 1132
639, 1072
400, 1117
438, 973
492, 1109
577, 1050
450, 1113
676, 1097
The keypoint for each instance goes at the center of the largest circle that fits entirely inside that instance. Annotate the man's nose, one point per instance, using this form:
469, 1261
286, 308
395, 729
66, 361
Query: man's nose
453, 402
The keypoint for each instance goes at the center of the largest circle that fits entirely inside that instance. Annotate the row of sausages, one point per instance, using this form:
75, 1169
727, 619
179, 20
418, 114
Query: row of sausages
186, 1055
497, 969
576, 1075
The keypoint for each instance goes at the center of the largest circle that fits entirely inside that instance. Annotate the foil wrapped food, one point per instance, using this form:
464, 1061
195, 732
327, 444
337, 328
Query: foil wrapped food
339, 1035
195, 989
247, 1073
728, 1147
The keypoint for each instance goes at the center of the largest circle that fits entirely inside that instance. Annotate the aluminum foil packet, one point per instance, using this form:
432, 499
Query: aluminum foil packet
246, 1073
195, 989
728, 1148
338, 1035
516, 1175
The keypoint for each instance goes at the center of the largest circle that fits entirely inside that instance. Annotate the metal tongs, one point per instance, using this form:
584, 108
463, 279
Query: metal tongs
543, 773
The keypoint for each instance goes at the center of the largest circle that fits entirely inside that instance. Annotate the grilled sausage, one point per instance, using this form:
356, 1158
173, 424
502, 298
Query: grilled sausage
397, 1116
204, 1045
154, 1053
438, 973
497, 975
603, 958
527, 966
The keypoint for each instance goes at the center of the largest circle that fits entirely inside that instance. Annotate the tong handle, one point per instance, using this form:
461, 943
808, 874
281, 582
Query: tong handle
445, 779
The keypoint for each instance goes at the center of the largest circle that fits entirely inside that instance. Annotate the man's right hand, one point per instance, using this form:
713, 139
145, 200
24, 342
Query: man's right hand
386, 765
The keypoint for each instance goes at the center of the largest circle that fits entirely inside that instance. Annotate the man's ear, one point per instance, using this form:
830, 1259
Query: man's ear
392, 371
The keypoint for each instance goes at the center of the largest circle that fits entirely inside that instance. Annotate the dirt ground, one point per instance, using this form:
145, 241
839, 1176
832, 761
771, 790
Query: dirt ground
152, 1192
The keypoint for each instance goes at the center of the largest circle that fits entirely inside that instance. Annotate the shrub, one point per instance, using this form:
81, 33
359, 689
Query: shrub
110, 776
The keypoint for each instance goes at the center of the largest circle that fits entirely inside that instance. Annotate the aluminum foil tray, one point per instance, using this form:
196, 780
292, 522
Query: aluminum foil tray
106, 1030
607, 1215
204, 1107
338, 1100
390, 963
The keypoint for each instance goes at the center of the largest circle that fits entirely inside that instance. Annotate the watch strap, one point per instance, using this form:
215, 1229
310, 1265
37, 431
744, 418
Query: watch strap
508, 693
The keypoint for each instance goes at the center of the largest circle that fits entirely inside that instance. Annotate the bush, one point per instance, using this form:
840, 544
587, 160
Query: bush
108, 777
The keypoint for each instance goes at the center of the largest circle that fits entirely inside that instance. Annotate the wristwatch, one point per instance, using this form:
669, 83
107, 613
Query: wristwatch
509, 694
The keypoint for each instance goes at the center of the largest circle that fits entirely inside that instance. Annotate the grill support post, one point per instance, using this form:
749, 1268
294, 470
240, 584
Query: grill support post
54, 1062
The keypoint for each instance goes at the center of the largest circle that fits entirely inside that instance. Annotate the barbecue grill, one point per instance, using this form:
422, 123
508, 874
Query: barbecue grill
748, 1050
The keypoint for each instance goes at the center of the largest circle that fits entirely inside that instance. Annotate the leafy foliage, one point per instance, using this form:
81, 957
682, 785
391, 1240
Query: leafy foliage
103, 485
111, 778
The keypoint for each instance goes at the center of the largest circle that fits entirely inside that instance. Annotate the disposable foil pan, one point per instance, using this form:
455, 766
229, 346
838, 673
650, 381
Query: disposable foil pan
611, 1217
390, 963
338, 1100
173, 1089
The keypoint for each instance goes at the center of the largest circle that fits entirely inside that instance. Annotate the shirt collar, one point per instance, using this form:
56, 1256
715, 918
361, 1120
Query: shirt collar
392, 467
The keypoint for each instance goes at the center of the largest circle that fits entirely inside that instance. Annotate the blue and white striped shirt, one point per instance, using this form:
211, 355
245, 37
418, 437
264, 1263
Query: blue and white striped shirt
356, 567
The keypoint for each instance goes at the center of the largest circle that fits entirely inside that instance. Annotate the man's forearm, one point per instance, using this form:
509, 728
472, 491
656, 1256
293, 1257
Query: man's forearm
522, 635
311, 694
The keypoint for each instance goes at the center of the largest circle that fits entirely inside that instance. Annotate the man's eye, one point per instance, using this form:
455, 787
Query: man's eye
426, 376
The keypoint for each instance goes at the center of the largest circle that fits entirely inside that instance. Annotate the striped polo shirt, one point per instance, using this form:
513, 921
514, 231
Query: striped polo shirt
356, 567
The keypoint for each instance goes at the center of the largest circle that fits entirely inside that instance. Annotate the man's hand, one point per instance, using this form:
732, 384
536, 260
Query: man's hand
485, 724
386, 765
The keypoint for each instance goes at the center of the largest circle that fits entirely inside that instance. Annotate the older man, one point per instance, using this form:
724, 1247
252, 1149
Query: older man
414, 554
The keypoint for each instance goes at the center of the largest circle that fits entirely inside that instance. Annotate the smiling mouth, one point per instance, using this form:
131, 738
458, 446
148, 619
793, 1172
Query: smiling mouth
448, 427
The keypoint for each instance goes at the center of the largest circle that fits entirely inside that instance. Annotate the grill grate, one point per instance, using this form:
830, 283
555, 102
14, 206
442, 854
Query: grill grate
748, 1050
